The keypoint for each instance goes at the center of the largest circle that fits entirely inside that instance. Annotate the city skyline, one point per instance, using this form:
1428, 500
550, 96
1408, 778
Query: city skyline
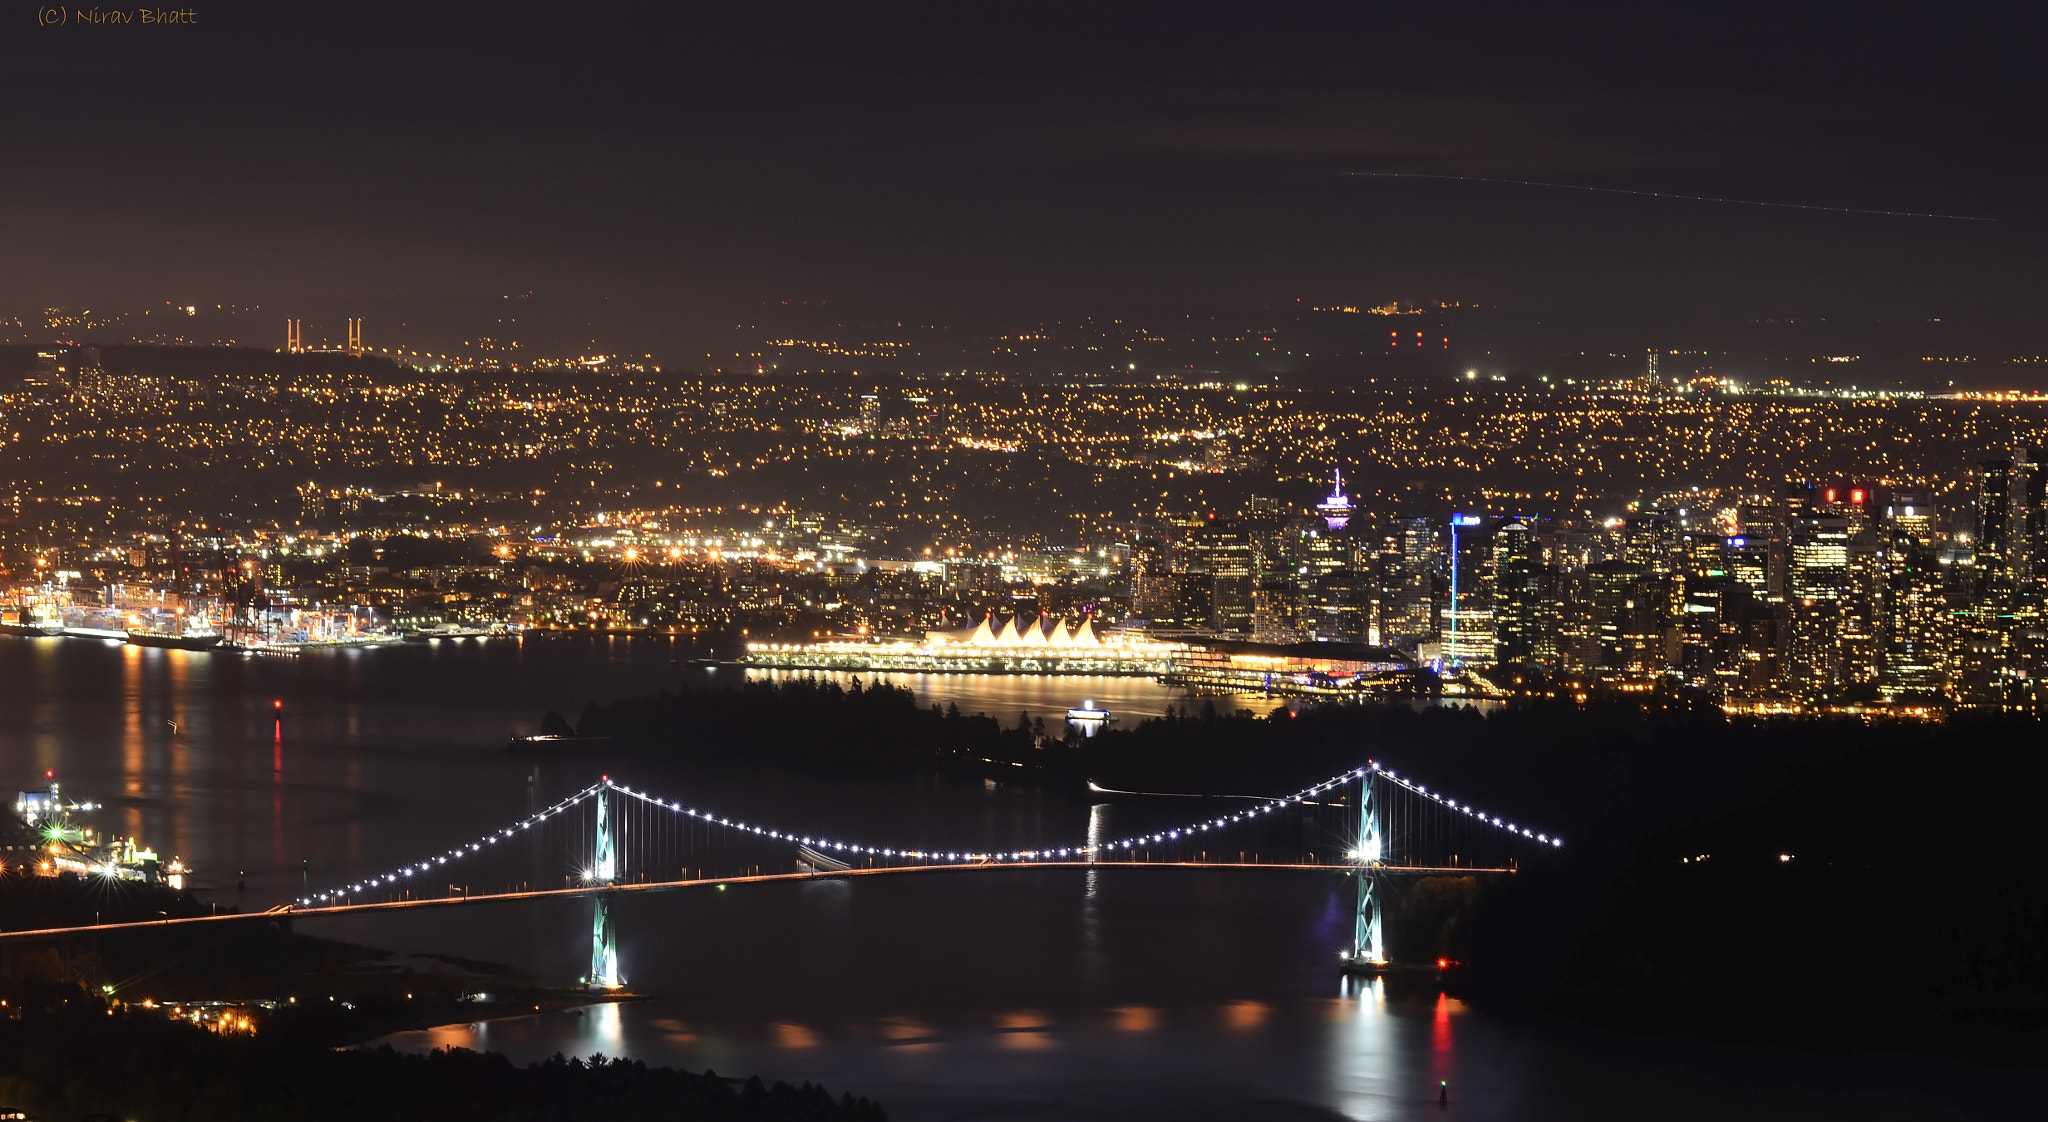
1907, 587
810, 562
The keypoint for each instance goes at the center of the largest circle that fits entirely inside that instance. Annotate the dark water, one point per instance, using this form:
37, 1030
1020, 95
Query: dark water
1018, 994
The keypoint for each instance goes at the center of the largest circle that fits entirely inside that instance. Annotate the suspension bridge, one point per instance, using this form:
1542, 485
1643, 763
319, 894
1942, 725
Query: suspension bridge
611, 840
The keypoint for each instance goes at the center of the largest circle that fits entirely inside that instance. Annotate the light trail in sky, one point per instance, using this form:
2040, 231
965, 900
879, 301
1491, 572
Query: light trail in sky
1666, 195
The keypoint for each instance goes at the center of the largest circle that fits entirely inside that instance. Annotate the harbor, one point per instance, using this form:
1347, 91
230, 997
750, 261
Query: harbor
159, 619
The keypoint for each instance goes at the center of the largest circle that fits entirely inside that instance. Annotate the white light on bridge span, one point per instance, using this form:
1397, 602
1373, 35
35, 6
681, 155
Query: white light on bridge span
1371, 768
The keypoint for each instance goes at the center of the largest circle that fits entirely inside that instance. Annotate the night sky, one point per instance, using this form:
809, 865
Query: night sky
684, 161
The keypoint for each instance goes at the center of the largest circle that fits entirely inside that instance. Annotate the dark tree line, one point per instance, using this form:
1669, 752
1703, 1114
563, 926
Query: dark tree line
815, 723
63, 1057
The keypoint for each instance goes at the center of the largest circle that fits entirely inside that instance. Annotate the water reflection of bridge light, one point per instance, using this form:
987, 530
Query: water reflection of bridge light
1246, 1015
1026, 1030
900, 1030
1135, 1018
451, 1036
1369, 1069
605, 1029
791, 1035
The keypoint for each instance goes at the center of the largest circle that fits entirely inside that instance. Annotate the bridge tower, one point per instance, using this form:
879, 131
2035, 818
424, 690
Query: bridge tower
1368, 942
604, 868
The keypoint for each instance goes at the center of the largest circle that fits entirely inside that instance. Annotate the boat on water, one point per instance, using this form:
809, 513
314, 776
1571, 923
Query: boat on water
295, 631
1087, 712
555, 742
32, 619
184, 639
452, 631
184, 631
95, 623
250, 642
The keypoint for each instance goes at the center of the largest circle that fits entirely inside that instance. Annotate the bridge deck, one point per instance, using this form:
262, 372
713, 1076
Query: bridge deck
581, 890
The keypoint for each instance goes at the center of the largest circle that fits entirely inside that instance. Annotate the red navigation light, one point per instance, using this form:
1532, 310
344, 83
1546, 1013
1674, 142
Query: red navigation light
278, 704
49, 775
1443, 963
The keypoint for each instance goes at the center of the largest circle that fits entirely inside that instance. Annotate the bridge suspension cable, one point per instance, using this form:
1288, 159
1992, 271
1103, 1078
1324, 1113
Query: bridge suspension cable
1189, 831
405, 873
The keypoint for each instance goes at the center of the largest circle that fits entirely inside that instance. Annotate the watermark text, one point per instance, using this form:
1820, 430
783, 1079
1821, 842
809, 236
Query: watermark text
116, 17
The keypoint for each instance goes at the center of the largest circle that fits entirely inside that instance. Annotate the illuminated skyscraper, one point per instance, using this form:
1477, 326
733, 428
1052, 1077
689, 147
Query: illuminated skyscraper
1819, 592
1916, 619
1414, 596
1623, 621
1221, 551
1337, 508
1994, 519
1911, 515
1521, 597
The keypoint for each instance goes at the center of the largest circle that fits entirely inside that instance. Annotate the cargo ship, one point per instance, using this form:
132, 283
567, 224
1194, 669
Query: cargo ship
95, 623
191, 637
294, 631
452, 631
32, 619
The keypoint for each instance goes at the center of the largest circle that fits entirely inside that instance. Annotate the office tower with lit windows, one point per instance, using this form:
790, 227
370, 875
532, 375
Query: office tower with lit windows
1624, 628
1278, 613
1412, 595
1521, 598
1651, 539
1819, 588
1220, 551
1152, 585
1916, 619
1993, 541
1912, 514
